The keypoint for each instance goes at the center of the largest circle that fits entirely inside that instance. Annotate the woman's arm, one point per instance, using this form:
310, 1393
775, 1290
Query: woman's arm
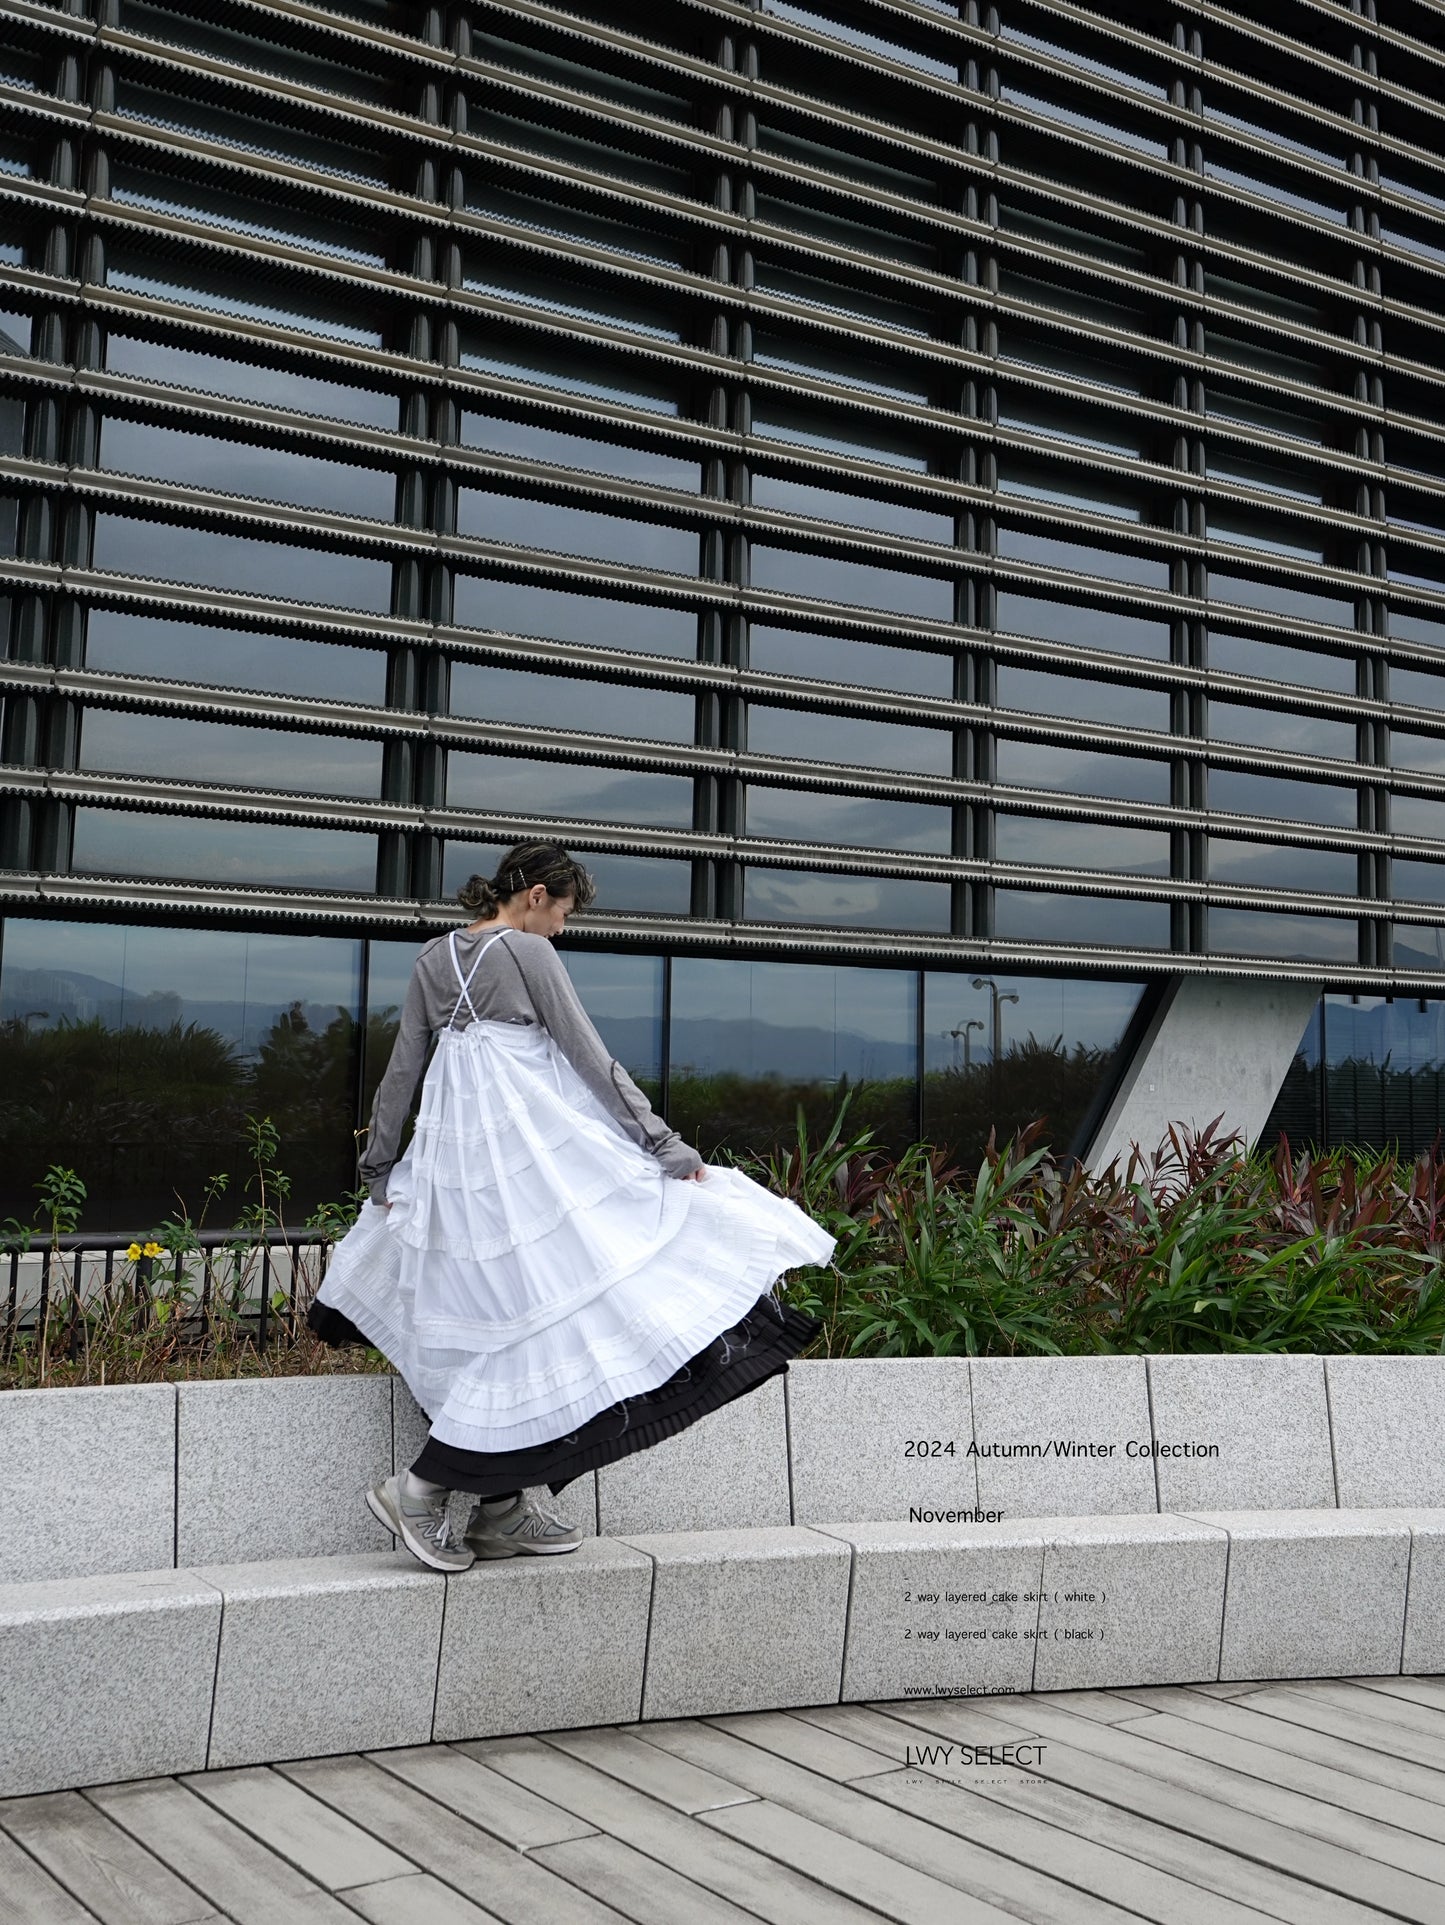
396, 1092
559, 1010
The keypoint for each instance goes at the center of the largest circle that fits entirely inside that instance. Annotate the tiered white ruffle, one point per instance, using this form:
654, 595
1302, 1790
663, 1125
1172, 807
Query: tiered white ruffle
536, 1265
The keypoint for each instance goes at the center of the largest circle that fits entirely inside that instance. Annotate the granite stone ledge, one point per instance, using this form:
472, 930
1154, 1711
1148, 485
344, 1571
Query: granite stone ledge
729, 1470
1130, 1600
544, 1643
104, 1678
323, 1655
278, 1467
862, 1433
98, 1489
952, 1608
744, 1620
1063, 1401
1269, 1419
1423, 1653
1313, 1593
1387, 1417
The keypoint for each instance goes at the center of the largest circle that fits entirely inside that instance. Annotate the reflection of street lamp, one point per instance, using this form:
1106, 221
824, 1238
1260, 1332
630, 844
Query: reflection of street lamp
1009, 996
974, 1022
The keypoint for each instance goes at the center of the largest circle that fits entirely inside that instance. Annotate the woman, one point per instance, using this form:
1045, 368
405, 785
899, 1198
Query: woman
556, 1275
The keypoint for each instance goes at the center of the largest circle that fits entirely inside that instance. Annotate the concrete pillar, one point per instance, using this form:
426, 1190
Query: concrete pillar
1218, 1045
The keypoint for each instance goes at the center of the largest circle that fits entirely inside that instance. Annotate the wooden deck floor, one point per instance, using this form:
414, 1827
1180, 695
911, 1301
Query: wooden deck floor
1317, 1802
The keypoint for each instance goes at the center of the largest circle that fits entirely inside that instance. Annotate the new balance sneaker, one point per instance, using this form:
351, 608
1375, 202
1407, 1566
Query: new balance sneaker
421, 1525
524, 1530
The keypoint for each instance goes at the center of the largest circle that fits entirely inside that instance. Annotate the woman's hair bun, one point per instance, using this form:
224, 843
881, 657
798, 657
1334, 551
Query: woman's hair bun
478, 896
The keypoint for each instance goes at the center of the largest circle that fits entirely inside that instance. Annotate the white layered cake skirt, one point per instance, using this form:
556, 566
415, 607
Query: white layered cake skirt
550, 1296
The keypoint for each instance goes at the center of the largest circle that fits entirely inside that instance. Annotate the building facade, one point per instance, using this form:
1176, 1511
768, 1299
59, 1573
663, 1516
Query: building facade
941, 507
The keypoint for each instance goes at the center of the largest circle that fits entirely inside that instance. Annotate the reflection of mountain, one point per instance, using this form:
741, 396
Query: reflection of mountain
70, 995
710, 1044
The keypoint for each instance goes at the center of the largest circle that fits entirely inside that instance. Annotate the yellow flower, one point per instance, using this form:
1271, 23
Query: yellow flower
135, 1251
154, 1250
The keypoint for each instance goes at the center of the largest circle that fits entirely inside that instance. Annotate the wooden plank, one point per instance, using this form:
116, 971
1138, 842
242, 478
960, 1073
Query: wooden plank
646, 1891
33, 1894
239, 1876
1303, 1812
624, 1754
721, 1865
102, 1867
813, 1746
458, 1853
1077, 1815
513, 1814
1405, 1714
1361, 1763
1141, 1787
416, 1900
1375, 1730
987, 1884
1101, 1706
1429, 1691
319, 1842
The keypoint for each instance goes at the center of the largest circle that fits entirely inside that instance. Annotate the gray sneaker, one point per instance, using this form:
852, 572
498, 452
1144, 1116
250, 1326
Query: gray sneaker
425, 1531
526, 1530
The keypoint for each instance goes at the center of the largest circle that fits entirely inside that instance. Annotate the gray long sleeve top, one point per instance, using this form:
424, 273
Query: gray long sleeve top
520, 980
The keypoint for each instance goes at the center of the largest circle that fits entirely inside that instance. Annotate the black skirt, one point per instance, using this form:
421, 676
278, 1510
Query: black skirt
757, 1347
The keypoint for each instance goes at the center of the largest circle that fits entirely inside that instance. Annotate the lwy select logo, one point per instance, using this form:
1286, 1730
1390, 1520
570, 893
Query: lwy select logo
949, 1757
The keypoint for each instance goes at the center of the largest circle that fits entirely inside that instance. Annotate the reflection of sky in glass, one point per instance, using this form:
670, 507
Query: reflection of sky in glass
182, 748
224, 301
1085, 625
1070, 695
570, 702
851, 902
232, 657
532, 442
1087, 123
623, 996
273, 855
1084, 63
1417, 881
852, 739
1242, 792
1281, 729
1281, 598
1076, 1011
839, 658
1264, 865
847, 821
544, 373
228, 980
792, 1019
861, 511
1040, 765
1272, 661
858, 584
577, 531
1037, 915
277, 570
1050, 842
1411, 750
858, 37
1048, 551
562, 615
1263, 932
1406, 627
794, 428
243, 468
248, 381
519, 784
1417, 688
1370, 1029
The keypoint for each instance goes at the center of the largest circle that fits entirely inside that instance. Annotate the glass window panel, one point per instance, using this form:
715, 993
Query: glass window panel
1267, 932
1054, 843
847, 821
1417, 815
752, 1040
624, 997
1274, 190
546, 365
232, 658
221, 287
1042, 481
1082, 62
1085, 626
1048, 551
261, 132
1058, 1042
775, 420
164, 552
1232, 464
1406, 627
1420, 945
577, 531
14, 332
580, 150
1274, 662
243, 468
1243, 792
494, 272
1076, 422
183, 1032
9, 524
1272, 865
1038, 915
1281, 599
1042, 765
896, 239
325, 231
524, 785
625, 884
1041, 693
588, 225
248, 381
564, 449
592, 78
1417, 881
849, 902
570, 702
563, 615
859, 584
273, 855
876, 170
1272, 534
854, 36
840, 363
181, 27
838, 658
848, 739
1411, 750
1285, 729
183, 749
1151, 144
859, 511
1416, 687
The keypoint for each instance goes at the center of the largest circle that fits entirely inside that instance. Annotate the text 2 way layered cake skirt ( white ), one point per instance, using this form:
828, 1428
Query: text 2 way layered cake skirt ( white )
553, 1299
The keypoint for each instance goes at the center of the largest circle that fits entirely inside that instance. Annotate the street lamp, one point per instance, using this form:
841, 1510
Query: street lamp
974, 1022
1008, 996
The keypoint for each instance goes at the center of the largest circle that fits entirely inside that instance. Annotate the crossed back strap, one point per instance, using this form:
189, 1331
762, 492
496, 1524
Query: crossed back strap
466, 981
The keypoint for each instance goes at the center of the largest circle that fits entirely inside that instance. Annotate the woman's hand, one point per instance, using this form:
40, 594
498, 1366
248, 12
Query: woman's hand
696, 1176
